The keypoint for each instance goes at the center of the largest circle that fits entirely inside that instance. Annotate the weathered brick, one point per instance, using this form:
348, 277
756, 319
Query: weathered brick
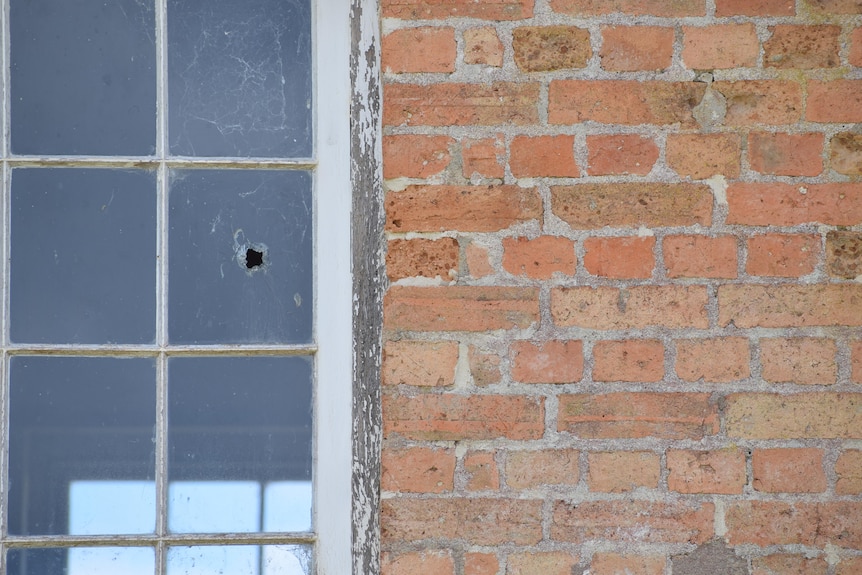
543, 156
615, 564
700, 156
834, 101
788, 470
633, 521
837, 6
457, 417
755, 8
481, 470
438, 562
777, 204
634, 360
483, 157
856, 361
855, 55
422, 258
845, 151
473, 520
786, 564
675, 9
544, 562
848, 469
766, 523
460, 104
799, 360
630, 308
546, 48
483, 46
413, 156
439, 9
786, 154
632, 415
484, 367
539, 258
773, 102
476, 258
782, 255
417, 470
633, 48
619, 471
463, 208
717, 360
844, 254
802, 47
720, 46
790, 305
420, 363
547, 361
700, 256
594, 206
721, 471
797, 416
480, 564
849, 566
531, 469
621, 154
625, 257
626, 102
424, 49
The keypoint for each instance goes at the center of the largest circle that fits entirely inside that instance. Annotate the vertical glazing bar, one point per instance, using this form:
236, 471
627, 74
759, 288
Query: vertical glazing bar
5, 59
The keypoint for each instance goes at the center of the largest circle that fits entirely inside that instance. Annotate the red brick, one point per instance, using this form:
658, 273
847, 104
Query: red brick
425, 49
475, 521
484, 157
476, 257
802, 47
721, 471
547, 361
835, 101
797, 416
849, 566
790, 305
633, 521
415, 156
700, 256
632, 415
848, 469
543, 156
628, 102
775, 204
780, 523
546, 48
845, 151
621, 154
720, 46
463, 208
789, 470
456, 417
441, 9
483, 46
594, 206
631, 360
844, 254
539, 258
755, 8
773, 102
460, 104
856, 361
480, 564
855, 55
481, 470
700, 156
799, 360
544, 562
437, 562
717, 360
531, 469
786, 154
484, 367
629, 308
627, 257
614, 564
417, 470
422, 258
838, 6
421, 363
619, 471
782, 255
633, 48
785, 564
675, 9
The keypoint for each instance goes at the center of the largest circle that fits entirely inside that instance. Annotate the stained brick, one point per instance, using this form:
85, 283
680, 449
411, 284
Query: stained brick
633, 48
782, 255
484, 367
413, 156
713, 360
802, 47
424, 49
422, 258
720, 46
700, 156
755, 8
781, 523
544, 562
626, 257
788, 470
483, 46
752, 102
437, 562
845, 150
778, 204
485, 9
418, 470
700, 256
848, 469
621, 154
835, 101
615, 564
844, 254
790, 305
460, 104
483, 157
721, 471
619, 471
786, 154
545, 48
539, 258
796, 416
799, 360
480, 564
531, 469
632, 360
837, 6
786, 564
547, 362
420, 363
481, 470
675, 9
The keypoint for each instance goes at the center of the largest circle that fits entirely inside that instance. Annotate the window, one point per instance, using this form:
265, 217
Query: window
177, 294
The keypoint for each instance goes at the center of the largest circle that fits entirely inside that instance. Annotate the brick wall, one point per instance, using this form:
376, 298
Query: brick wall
623, 325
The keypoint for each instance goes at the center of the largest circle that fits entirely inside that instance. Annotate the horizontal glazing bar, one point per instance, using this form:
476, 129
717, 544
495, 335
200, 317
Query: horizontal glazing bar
150, 540
153, 162
152, 350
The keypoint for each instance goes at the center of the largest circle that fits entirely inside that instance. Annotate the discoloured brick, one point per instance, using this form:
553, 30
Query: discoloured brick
855, 55
786, 154
544, 562
721, 471
425, 49
790, 305
674, 9
755, 7
849, 566
779, 523
700, 156
415, 156
481, 564
844, 254
540, 258
614, 564
543, 156
621, 154
626, 257
481, 470
483, 46
838, 6
484, 9
782, 255
780, 204
700, 256
619, 471
422, 258
437, 562
545, 48
547, 361
856, 361
845, 150
713, 360
720, 46
483, 157
796, 416
773, 102
531, 469
632, 48
484, 367
420, 363
848, 468
793, 470
476, 258
835, 101
418, 470
799, 360
631, 360
802, 47
786, 564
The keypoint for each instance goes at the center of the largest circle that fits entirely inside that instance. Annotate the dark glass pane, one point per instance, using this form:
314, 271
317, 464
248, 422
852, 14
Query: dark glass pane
240, 257
239, 444
240, 560
81, 561
83, 77
82, 451
239, 78
83, 256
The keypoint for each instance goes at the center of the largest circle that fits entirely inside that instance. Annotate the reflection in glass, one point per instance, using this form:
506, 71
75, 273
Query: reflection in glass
99, 507
87, 420
81, 561
240, 253
83, 256
240, 560
239, 78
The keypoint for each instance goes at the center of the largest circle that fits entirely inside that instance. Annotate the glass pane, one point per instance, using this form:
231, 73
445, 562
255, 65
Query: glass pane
240, 257
83, 77
239, 78
236, 426
83, 256
240, 560
82, 451
81, 561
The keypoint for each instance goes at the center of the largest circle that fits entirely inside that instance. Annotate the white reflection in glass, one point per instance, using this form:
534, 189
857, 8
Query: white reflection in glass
287, 506
238, 560
111, 561
214, 506
94, 506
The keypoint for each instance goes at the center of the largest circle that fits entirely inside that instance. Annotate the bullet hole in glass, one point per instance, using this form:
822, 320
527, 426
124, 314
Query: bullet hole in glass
253, 258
